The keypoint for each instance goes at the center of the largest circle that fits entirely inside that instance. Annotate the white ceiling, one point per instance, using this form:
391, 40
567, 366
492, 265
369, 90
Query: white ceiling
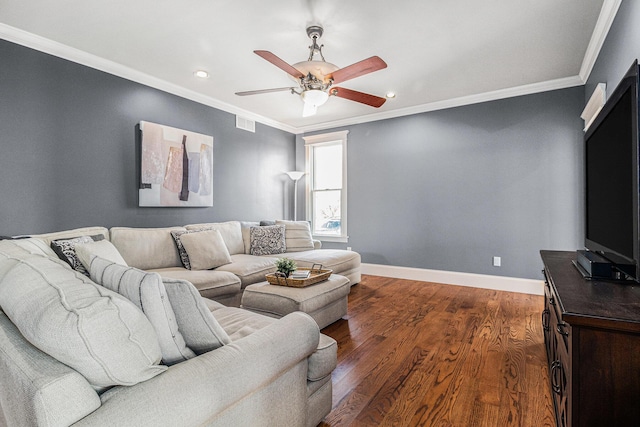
439, 53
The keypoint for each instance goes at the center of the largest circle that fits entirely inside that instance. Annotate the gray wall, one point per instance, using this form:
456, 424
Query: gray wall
619, 50
448, 190
69, 157
444, 190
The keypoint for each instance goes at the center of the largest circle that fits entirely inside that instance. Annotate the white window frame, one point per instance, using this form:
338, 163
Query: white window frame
324, 139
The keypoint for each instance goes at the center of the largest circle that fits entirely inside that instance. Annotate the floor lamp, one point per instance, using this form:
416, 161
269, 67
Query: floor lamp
295, 176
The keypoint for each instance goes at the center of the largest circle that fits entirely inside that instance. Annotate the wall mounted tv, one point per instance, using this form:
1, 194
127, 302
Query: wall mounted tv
611, 169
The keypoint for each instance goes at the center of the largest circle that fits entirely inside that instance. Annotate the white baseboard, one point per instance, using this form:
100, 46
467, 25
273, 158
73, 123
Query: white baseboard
498, 283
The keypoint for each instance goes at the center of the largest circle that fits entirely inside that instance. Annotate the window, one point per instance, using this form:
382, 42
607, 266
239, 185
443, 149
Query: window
327, 185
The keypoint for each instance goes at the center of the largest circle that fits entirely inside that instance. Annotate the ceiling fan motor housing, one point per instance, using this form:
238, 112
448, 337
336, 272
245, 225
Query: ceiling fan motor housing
314, 31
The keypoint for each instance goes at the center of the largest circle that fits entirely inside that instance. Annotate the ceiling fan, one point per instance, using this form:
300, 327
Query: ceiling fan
317, 77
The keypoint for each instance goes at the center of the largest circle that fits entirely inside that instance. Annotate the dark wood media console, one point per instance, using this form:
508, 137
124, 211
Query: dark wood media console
592, 335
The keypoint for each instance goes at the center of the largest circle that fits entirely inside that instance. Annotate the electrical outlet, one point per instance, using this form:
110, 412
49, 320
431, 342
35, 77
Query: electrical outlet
348, 248
497, 261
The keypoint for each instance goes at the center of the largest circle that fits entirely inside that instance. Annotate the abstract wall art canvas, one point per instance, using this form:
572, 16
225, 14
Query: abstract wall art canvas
176, 167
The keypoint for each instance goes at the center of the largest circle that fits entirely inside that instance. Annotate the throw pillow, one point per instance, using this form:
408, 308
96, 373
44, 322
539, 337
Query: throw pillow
66, 250
231, 232
201, 331
102, 248
268, 240
205, 249
148, 293
297, 235
246, 234
177, 237
93, 330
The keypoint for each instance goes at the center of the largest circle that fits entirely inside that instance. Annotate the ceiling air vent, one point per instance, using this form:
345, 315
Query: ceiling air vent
245, 124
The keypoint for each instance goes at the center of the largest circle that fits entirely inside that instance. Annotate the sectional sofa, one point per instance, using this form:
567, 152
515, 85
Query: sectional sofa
155, 250
73, 351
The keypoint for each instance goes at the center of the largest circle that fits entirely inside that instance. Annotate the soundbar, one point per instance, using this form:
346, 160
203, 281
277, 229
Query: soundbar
595, 266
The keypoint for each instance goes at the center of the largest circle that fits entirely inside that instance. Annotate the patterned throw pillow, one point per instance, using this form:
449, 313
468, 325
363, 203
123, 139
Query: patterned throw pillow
267, 240
66, 250
184, 256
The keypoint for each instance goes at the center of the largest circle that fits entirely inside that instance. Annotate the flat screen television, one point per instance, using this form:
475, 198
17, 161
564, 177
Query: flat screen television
611, 169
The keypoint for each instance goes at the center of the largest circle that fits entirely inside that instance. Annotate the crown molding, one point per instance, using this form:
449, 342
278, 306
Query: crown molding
78, 56
512, 92
603, 25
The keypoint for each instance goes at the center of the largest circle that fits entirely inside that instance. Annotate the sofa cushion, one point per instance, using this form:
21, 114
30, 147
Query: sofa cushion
297, 235
66, 250
146, 248
148, 293
324, 360
239, 323
230, 231
213, 305
337, 260
201, 331
246, 234
93, 330
36, 246
205, 249
103, 248
210, 283
267, 240
68, 234
250, 269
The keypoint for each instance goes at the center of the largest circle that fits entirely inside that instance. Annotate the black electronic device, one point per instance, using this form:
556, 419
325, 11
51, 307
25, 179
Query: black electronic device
612, 214
593, 265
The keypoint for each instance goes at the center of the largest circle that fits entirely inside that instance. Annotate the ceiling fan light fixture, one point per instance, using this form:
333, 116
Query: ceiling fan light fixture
314, 97
318, 69
315, 78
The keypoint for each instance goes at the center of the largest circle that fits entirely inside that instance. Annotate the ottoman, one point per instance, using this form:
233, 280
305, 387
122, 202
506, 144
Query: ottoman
326, 301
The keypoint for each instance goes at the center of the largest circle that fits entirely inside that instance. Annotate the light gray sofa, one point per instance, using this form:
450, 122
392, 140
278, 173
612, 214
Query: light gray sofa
154, 249
273, 372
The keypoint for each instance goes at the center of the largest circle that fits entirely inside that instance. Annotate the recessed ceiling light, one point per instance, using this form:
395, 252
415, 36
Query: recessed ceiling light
391, 94
201, 73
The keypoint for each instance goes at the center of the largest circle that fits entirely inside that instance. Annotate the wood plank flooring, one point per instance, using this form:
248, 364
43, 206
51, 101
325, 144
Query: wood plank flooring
422, 354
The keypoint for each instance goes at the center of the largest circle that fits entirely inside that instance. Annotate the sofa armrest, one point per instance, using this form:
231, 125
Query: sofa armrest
317, 244
35, 388
194, 391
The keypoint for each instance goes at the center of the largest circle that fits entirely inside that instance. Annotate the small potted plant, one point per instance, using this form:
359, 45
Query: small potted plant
285, 266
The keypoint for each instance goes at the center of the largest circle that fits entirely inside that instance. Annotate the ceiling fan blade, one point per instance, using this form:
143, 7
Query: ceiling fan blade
265, 54
358, 69
257, 92
361, 97
309, 109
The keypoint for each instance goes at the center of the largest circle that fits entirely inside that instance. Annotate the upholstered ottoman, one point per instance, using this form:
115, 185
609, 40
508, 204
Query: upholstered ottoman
326, 301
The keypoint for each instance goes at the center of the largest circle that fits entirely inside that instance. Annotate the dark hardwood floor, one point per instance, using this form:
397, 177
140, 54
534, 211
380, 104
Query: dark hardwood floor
422, 354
